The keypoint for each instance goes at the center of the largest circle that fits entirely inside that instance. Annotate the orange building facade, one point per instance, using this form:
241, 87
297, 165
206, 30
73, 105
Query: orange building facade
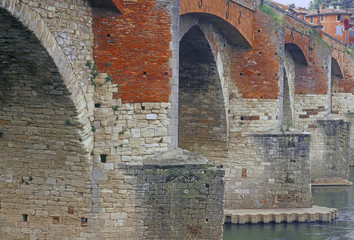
331, 21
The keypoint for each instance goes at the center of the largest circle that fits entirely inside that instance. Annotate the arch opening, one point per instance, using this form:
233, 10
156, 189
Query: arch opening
335, 68
201, 116
296, 54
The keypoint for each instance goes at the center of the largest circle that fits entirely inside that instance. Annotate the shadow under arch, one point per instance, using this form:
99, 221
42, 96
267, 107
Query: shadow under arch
33, 22
294, 63
335, 68
202, 125
296, 54
227, 30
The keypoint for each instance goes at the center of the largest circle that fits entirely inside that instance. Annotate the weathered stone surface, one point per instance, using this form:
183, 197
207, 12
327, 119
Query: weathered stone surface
67, 125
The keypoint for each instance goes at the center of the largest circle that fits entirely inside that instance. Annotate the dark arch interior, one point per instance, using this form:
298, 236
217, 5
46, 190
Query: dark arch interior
336, 69
202, 122
296, 53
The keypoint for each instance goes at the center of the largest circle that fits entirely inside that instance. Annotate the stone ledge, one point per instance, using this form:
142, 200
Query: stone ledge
316, 213
326, 184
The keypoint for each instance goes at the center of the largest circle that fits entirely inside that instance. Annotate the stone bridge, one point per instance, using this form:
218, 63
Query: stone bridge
90, 88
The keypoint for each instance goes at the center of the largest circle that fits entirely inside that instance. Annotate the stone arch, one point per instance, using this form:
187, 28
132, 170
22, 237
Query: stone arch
33, 22
294, 59
211, 31
45, 134
202, 114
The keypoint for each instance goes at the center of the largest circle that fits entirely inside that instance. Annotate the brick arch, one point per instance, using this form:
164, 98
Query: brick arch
297, 53
293, 38
241, 18
33, 22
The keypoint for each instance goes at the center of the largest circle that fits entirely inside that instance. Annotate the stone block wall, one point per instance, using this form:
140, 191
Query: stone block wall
287, 168
331, 152
126, 132
174, 195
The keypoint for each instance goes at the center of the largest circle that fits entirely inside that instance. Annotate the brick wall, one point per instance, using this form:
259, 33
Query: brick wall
134, 49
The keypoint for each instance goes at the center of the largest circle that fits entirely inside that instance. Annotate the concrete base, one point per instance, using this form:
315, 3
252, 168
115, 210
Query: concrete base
316, 213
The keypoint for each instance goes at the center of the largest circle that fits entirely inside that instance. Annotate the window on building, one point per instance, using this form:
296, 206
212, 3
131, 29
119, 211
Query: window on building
311, 20
338, 17
339, 30
322, 18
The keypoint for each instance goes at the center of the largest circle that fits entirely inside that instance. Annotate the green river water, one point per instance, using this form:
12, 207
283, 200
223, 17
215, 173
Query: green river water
341, 198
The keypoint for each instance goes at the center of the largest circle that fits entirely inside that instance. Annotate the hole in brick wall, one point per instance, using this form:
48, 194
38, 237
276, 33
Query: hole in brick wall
108, 35
55, 220
166, 73
1, 133
103, 158
25, 217
314, 44
275, 53
97, 105
242, 118
244, 173
276, 74
142, 107
313, 78
84, 222
207, 220
70, 210
259, 30
313, 62
300, 92
240, 74
207, 185
260, 53
144, 74
300, 77
261, 97
259, 74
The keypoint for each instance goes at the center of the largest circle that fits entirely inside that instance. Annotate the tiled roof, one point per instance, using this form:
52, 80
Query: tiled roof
328, 11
